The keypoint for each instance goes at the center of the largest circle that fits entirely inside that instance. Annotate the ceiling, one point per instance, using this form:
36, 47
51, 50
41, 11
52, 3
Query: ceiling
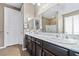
17, 5
50, 13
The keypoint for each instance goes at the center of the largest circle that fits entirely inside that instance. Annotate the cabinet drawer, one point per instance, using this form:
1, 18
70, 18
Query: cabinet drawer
38, 41
59, 51
47, 53
29, 37
38, 50
26, 36
33, 39
72, 53
33, 49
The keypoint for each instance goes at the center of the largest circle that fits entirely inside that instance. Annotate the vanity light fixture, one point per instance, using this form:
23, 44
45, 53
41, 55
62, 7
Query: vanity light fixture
29, 19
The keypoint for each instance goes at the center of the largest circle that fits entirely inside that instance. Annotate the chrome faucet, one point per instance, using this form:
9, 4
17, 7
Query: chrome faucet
66, 36
57, 36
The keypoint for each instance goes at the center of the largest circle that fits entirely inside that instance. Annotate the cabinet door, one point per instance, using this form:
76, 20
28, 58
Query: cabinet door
57, 50
38, 50
33, 48
26, 41
29, 47
72, 53
47, 53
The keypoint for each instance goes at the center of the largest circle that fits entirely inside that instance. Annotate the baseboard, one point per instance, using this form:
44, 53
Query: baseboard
10, 45
2, 47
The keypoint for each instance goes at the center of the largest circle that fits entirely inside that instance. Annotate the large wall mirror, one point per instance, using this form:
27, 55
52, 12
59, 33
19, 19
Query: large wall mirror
31, 24
61, 18
50, 20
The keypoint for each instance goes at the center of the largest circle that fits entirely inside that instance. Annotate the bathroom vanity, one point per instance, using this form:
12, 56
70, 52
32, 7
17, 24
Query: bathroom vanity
44, 45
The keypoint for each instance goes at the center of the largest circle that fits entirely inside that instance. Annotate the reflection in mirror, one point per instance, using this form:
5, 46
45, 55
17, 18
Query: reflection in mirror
71, 23
61, 18
49, 21
28, 24
37, 24
55, 21
49, 24
31, 24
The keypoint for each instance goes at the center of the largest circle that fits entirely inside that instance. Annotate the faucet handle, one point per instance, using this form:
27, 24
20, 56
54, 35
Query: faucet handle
57, 36
66, 36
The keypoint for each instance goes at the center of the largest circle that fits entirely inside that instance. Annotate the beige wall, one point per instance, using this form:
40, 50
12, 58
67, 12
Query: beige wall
28, 10
1, 26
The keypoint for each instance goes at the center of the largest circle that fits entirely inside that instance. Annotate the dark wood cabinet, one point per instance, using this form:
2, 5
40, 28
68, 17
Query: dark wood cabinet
56, 50
73, 53
33, 48
25, 41
29, 44
38, 47
38, 50
47, 53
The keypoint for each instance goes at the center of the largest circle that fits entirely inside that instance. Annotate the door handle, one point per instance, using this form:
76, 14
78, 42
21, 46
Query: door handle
7, 32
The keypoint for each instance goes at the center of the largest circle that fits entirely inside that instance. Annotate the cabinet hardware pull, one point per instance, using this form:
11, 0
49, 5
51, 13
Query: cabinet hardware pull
76, 54
37, 42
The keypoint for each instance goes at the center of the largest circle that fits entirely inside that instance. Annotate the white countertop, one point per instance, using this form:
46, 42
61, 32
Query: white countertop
70, 45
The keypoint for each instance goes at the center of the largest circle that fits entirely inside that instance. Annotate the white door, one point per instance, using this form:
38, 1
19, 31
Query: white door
13, 27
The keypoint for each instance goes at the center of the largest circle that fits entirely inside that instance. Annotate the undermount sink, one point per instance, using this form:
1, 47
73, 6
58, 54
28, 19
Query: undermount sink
60, 40
65, 41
